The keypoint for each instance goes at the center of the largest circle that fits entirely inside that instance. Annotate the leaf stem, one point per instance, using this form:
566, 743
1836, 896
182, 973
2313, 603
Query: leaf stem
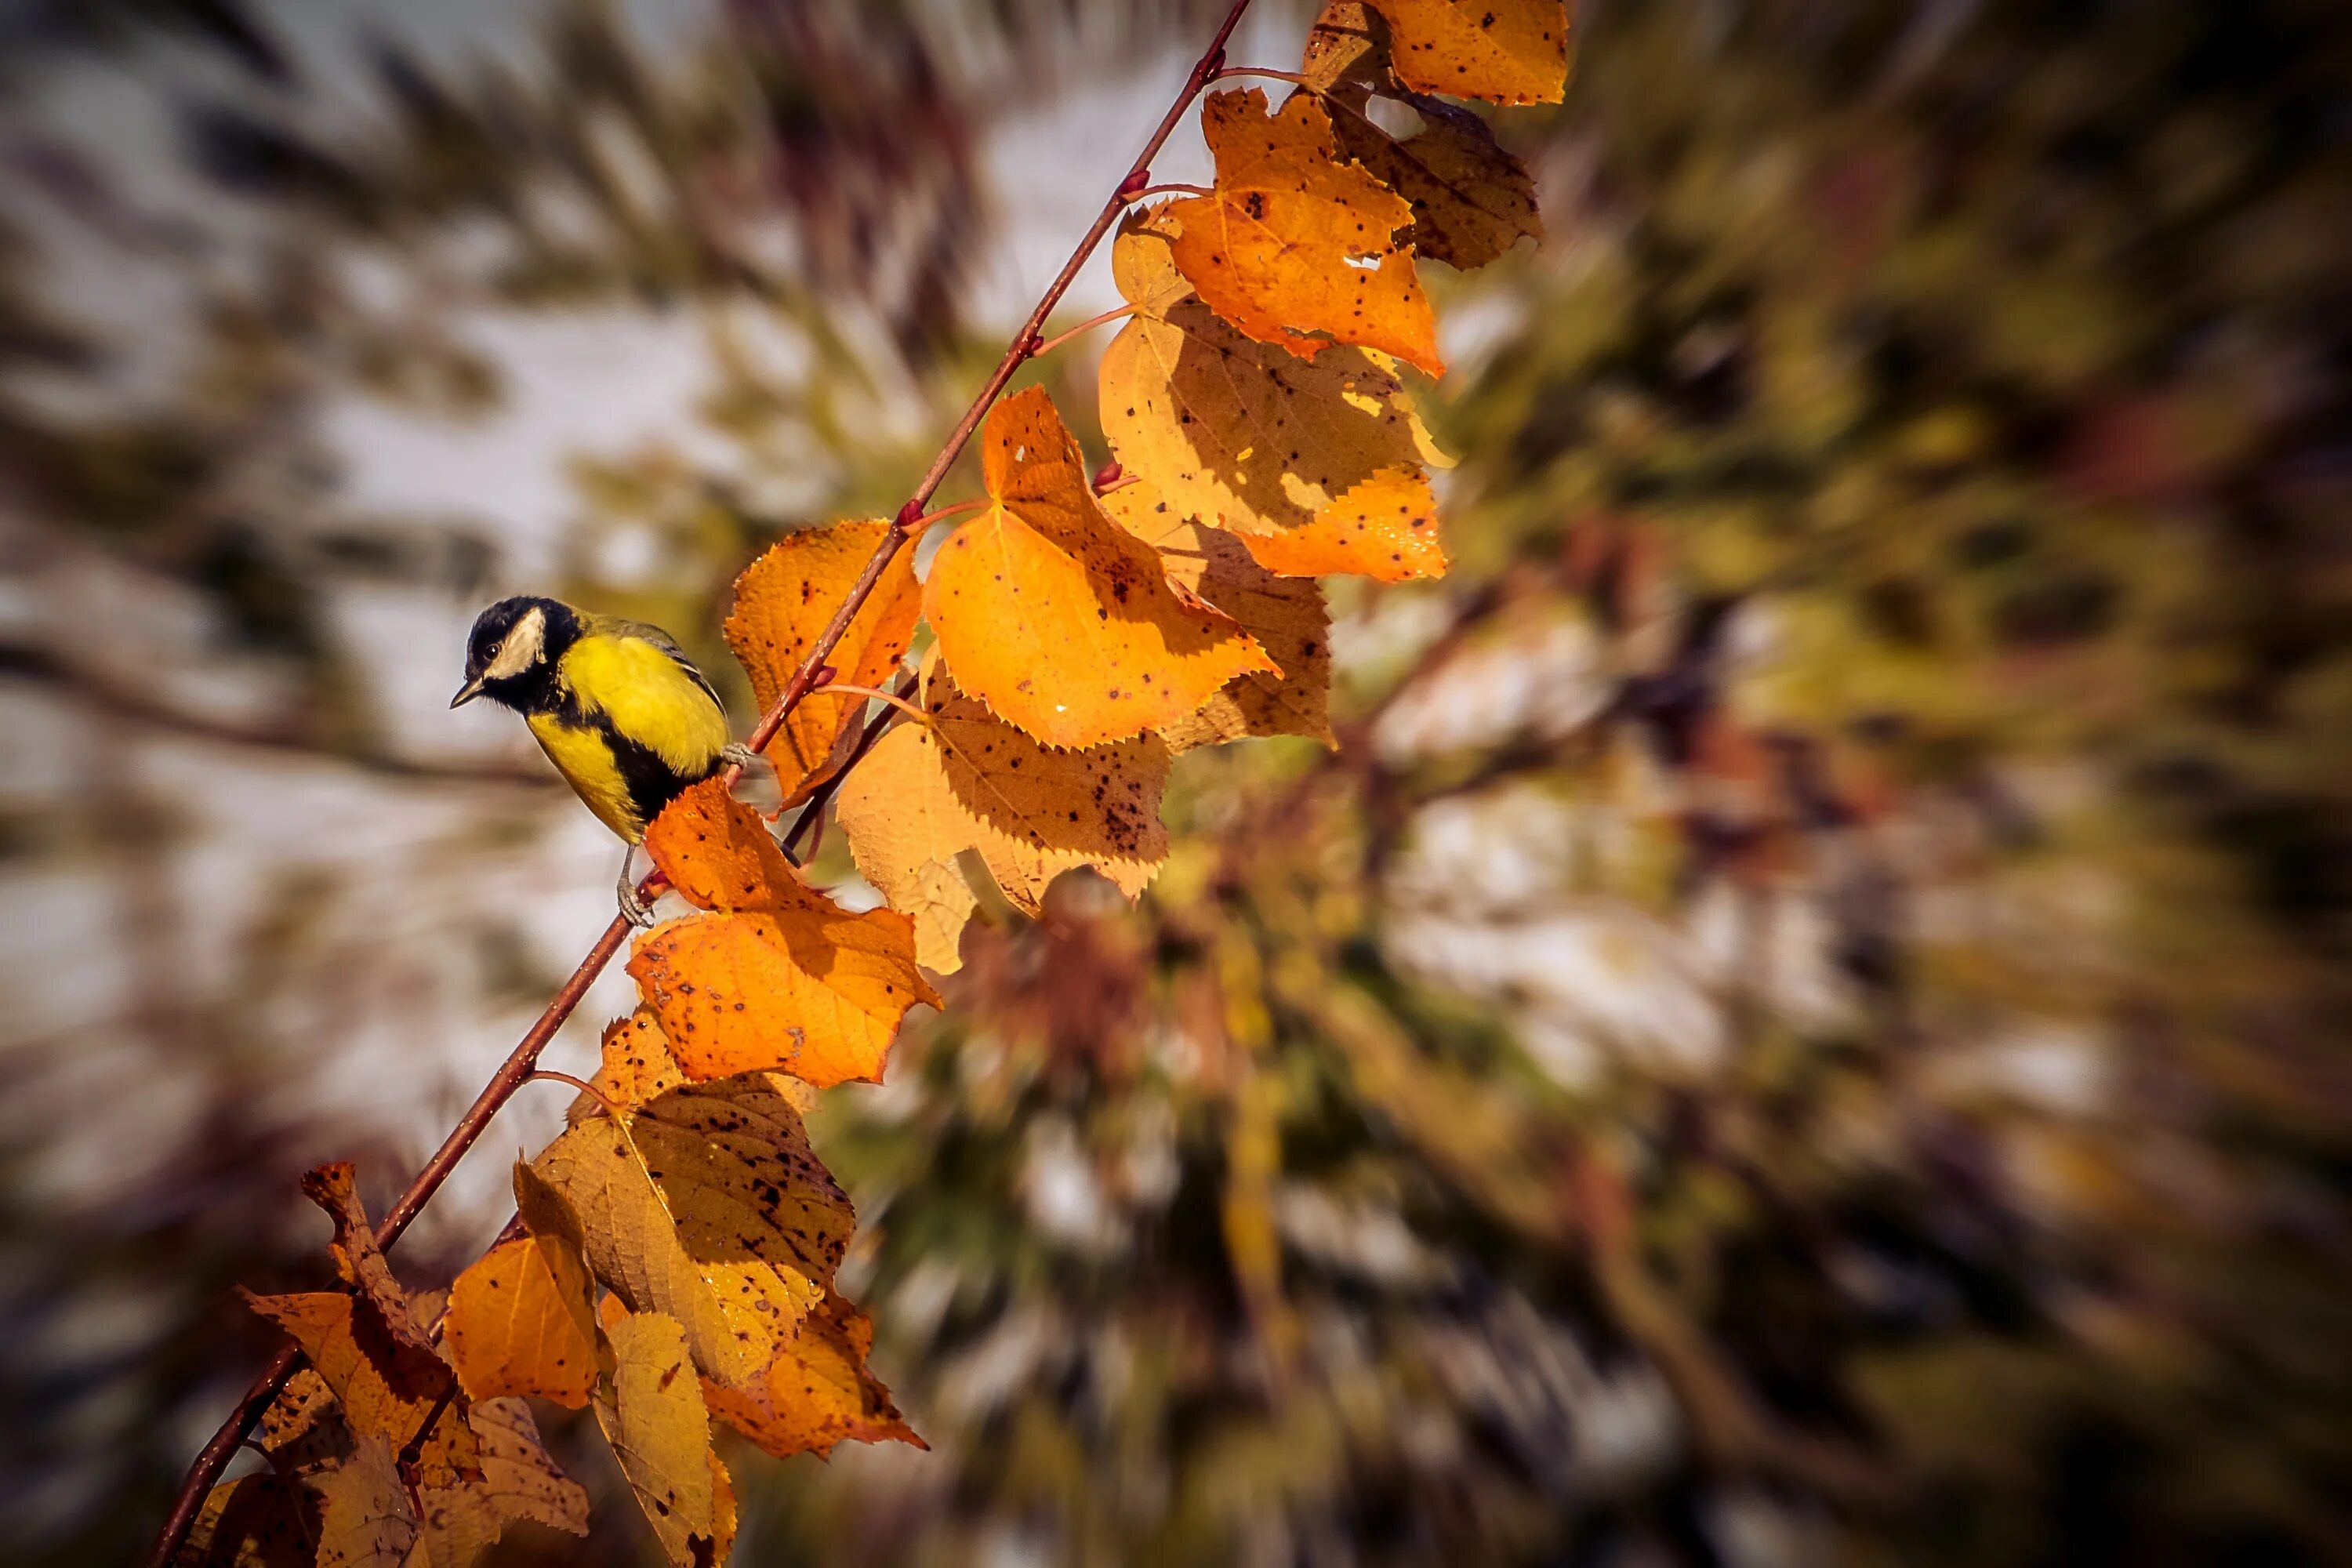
1292, 77
582, 1084
517, 1069
1172, 190
954, 510
873, 693
1090, 324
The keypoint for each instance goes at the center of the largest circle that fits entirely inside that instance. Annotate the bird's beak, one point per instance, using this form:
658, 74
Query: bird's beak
467, 692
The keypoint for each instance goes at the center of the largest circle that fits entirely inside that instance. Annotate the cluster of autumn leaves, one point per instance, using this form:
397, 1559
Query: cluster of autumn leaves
676, 1244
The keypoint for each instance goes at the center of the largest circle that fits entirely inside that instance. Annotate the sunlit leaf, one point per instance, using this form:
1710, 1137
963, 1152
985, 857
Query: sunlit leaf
1509, 51
1058, 618
969, 781
1275, 250
1235, 432
817, 1391
652, 1413
522, 1321
385, 1388
1286, 615
1386, 528
784, 601
779, 976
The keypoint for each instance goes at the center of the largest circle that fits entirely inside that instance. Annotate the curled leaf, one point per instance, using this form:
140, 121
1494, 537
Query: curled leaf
1277, 249
1058, 618
335, 1188
386, 1389
817, 1391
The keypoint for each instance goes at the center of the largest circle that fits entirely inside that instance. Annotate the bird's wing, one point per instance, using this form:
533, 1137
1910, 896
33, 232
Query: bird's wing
613, 626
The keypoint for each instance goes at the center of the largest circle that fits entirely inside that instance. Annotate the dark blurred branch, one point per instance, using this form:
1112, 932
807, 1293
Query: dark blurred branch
130, 705
518, 1068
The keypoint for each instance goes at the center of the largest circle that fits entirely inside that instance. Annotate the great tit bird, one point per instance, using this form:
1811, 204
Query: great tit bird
616, 705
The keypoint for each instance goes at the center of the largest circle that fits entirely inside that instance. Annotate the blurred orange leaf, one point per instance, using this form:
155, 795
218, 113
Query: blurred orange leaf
1058, 619
784, 600
781, 977
1386, 528
1274, 251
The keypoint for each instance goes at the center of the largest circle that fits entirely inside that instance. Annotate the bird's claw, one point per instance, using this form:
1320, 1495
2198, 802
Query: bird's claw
742, 756
634, 908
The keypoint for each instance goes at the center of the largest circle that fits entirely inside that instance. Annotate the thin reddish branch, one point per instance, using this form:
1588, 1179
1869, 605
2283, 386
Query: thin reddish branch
518, 1066
1088, 325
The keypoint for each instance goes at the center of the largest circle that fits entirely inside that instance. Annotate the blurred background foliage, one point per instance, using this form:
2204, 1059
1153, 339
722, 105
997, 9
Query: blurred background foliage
1803, 1023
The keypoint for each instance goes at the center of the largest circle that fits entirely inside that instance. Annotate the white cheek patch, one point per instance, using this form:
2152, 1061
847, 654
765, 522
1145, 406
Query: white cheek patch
521, 649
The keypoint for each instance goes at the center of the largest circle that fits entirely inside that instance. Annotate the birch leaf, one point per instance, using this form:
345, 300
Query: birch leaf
1286, 614
1274, 251
1055, 617
1236, 432
522, 1322
653, 1416
364, 1518
783, 602
1386, 529
335, 1188
779, 976
253, 1521
817, 1391
1471, 200
386, 1389
1509, 51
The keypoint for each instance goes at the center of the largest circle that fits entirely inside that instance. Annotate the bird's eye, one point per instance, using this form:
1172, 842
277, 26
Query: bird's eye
493, 648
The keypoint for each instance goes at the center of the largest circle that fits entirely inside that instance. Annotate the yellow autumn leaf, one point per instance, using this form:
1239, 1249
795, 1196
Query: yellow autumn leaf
970, 781
1347, 46
779, 977
653, 1416
522, 1321
732, 1306
635, 1065
784, 601
385, 1389
1508, 51
1235, 432
817, 1391
1055, 617
1275, 250
519, 1481
737, 1172
1386, 528
1286, 614
254, 1522
364, 1517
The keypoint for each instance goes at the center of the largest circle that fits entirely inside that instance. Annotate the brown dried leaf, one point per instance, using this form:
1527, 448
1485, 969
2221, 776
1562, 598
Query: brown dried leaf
254, 1522
335, 1188
386, 1389
364, 1517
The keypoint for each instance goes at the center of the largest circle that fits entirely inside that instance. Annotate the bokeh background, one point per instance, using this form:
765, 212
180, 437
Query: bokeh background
1805, 1023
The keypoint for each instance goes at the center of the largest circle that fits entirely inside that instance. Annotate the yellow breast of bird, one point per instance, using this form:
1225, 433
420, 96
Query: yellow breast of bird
583, 756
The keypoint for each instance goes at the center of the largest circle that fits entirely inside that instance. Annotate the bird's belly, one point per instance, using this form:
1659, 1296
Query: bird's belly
585, 759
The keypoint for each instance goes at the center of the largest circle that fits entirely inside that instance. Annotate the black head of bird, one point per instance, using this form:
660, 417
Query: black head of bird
513, 652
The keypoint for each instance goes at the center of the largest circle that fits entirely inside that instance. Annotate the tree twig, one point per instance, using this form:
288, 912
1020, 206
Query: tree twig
518, 1066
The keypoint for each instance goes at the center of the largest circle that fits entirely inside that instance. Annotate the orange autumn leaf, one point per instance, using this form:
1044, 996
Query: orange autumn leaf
1508, 51
652, 1413
970, 781
779, 976
817, 1391
1274, 249
1055, 617
783, 602
1239, 434
1471, 199
520, 1321
1286, 614
1386, 529
385, 1388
